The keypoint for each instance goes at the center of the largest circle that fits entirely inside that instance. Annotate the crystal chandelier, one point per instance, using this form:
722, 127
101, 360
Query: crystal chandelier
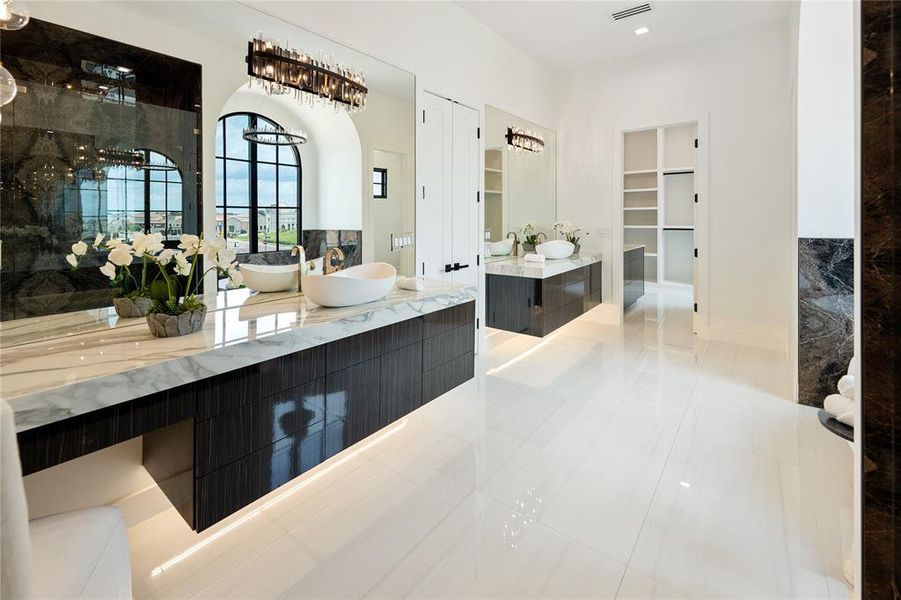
13, 15
309, 78
525, 140
271, 136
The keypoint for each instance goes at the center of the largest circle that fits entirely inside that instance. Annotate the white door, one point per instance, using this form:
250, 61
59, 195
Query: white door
434, 156
466, 186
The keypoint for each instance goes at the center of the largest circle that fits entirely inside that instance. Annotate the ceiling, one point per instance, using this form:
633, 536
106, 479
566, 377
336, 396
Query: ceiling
568, 34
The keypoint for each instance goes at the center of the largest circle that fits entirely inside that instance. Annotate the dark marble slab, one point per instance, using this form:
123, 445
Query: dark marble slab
825, 316
880, 298
315, 243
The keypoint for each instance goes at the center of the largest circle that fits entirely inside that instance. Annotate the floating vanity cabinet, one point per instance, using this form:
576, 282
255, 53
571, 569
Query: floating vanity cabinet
217, 445
633, 275
536, 300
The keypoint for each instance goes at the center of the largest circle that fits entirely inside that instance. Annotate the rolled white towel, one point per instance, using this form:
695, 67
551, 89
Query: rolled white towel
841, 408
535, 258
413, 284
846, 386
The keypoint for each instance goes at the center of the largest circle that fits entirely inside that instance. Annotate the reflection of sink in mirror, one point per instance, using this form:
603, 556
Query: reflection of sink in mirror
501, 248
270, 278
356, 285
555, 249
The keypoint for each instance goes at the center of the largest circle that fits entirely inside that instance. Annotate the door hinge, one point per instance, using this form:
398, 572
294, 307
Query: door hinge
478, 322
478, 133
478, 260
696, 252
478, 196
423, 120
696, 142
423, 192
423, 269
696, 198
696, 307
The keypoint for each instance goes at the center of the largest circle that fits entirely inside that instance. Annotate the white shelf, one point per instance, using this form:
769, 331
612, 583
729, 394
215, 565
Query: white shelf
678, 228
641, 190
650, 255
490, 170
639, 208
493, 192
685, 170
641, 172
639, 226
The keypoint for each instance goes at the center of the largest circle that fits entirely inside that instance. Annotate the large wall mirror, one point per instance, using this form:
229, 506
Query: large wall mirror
520, 184
169, 81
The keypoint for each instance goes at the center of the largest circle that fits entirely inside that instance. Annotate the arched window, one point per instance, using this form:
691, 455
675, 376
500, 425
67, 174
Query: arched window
257, 188
143, 200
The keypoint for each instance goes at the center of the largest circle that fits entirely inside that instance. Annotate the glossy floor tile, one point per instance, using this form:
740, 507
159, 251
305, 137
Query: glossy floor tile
598, 462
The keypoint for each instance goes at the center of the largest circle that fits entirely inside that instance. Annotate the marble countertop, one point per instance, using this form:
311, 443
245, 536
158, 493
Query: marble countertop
630, 247
55, 367
517, 266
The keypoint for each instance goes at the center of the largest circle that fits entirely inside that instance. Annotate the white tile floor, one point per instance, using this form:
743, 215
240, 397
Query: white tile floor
633, 462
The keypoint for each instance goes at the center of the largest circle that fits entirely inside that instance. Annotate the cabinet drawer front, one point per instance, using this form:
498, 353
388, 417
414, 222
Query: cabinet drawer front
288, 372
288, 412
351, 405
448, 319
359, 348
400, 390
227, 392
447, 346
447, 376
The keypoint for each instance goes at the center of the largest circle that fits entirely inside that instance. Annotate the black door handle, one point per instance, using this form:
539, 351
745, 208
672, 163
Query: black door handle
448, 268
458, 266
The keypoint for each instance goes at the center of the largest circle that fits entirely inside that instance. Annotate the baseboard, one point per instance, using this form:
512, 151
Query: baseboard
744, 337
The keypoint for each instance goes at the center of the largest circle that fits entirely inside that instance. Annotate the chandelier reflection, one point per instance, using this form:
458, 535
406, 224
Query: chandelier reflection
275, 136
285, 71
524, 140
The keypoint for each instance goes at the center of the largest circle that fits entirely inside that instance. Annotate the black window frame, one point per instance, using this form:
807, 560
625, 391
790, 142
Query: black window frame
383, 184
252, 160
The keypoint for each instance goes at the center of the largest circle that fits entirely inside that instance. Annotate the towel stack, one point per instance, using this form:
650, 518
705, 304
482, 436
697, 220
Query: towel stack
841, 405
535, 258
411, 283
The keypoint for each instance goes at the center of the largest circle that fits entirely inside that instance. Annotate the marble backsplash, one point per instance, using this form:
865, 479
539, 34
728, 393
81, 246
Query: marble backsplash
315, 243
825, 315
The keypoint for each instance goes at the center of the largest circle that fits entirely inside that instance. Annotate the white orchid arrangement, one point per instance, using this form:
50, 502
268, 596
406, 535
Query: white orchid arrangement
171, 263
570, 232
530, 235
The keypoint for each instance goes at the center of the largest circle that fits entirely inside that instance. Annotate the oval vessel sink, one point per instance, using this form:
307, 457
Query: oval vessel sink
555, 249
270, 278
349, 287
501, 248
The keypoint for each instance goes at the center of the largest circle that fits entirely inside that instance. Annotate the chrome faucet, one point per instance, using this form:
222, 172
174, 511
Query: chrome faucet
333, 255
515, 242
301, 263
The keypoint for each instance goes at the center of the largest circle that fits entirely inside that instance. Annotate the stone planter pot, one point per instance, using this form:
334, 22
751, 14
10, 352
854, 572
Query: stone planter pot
131, 309
163, 325
528, 247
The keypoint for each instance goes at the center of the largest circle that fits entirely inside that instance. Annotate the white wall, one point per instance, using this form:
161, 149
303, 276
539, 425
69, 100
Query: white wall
826, 119
742, 82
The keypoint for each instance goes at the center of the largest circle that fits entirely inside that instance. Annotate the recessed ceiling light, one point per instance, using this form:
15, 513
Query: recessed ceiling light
642, 30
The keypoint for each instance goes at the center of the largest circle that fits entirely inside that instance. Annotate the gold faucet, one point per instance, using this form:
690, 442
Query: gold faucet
333, 255
301, 260
539, 236
515, 243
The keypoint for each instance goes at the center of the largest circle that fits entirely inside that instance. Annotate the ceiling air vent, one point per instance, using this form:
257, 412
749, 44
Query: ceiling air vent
631, 12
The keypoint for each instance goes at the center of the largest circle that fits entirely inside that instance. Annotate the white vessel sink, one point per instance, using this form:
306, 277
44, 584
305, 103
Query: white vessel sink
555, 249
270, 278
501, 248
356, 285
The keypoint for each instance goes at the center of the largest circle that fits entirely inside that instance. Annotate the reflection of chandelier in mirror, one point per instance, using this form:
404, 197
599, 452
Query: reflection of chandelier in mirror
13, 15
286, 71
111, 156
272, 136
524, 140
8, 86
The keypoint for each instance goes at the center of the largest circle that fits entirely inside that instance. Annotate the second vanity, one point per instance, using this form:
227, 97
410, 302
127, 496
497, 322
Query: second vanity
536, 299
272, 386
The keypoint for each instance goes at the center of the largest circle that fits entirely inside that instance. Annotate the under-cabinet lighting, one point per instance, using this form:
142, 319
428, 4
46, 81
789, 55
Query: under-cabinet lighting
642, 30
376, 439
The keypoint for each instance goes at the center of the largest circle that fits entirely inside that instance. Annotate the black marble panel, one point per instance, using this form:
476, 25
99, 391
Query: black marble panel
825, 316
75, 102
880, 297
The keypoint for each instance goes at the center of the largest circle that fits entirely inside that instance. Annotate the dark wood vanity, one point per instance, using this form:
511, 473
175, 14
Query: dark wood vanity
538, 306
633, 275
216, 445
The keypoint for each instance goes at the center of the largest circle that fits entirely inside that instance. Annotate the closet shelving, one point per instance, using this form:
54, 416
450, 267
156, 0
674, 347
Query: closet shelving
658, 199
494, 192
